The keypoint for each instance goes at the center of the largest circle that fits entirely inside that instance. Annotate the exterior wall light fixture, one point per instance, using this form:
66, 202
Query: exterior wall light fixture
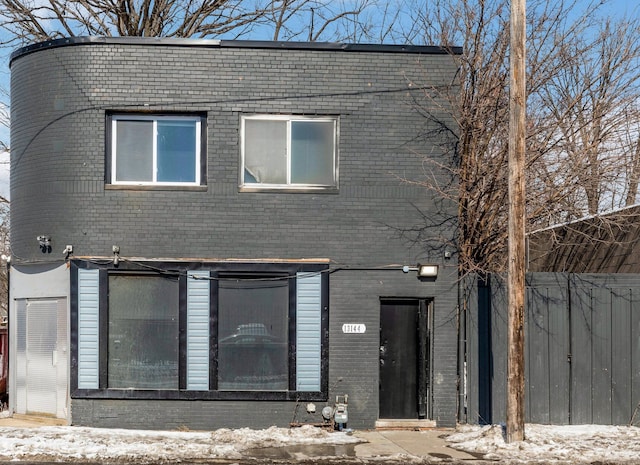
424, 271
427, 271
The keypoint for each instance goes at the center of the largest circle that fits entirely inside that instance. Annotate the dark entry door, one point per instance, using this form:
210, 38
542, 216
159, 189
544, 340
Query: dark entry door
404, 359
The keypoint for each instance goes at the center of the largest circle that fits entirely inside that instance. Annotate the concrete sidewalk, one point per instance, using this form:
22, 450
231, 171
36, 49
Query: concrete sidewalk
28, 421
427, 444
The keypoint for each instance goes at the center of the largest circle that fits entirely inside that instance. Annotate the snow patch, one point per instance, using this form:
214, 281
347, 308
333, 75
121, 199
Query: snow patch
81, 443
548, 443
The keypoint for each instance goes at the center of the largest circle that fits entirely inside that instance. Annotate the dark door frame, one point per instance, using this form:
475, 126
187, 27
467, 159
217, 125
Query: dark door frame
424, 351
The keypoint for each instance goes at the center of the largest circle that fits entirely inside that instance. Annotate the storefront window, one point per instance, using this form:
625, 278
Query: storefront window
143, 332
253, 317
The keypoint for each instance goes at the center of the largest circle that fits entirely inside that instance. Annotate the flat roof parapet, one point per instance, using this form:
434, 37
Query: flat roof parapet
213, 43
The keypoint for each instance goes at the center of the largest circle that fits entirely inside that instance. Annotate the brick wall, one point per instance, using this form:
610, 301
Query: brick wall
59, 99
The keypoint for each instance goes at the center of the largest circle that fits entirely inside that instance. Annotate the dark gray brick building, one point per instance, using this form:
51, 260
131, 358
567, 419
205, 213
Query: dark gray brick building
220, 234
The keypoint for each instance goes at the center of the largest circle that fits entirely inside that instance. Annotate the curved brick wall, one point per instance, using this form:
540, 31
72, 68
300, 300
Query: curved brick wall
59, 99
60, 95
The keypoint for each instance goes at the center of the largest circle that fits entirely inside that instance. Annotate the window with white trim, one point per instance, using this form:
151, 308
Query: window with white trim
156, 149
289, 152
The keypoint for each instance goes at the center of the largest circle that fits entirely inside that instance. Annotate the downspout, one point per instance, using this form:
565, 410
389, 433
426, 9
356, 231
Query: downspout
5, 368
570, 354
462, 354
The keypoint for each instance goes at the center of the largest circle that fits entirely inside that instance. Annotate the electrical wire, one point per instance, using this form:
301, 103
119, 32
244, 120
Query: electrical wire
181, 103
207, 102
108, 264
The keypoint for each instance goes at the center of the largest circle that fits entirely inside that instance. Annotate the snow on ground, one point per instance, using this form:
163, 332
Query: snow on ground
543, 444
79, 443
548, 444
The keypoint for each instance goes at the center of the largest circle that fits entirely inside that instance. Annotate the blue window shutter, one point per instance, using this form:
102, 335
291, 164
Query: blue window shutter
308, 331
88, 328
198, 297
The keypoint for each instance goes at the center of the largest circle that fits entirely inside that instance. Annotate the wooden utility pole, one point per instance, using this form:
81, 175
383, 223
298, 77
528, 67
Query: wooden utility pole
516, 284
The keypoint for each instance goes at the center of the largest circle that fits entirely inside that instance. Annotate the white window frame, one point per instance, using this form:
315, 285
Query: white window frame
252, 187
154, 119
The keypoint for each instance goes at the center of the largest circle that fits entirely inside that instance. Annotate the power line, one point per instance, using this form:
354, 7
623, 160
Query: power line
147, 106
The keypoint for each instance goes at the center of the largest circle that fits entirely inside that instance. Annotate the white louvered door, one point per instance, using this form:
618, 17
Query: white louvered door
43, 343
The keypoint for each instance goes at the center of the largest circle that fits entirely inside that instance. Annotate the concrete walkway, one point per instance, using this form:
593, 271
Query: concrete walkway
428, 444
29, 421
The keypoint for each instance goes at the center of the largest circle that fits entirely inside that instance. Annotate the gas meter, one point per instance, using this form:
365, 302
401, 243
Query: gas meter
340, 415
337, 415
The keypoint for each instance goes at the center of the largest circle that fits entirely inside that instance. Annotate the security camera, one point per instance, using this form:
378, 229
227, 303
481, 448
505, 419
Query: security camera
45, 243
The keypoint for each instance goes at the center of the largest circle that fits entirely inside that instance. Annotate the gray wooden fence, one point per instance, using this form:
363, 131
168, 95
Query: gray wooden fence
582, 339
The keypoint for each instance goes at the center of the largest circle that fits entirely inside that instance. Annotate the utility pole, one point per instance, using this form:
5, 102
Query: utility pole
516, 283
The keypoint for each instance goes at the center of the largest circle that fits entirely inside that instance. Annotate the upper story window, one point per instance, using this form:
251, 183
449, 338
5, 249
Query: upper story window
156, 149
289, 152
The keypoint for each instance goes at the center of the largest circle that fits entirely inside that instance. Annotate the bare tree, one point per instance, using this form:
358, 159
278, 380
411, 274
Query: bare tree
314, 20
481, 114
5, 249
26, 21
575, 160
583, 145
633, 172
589, 111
